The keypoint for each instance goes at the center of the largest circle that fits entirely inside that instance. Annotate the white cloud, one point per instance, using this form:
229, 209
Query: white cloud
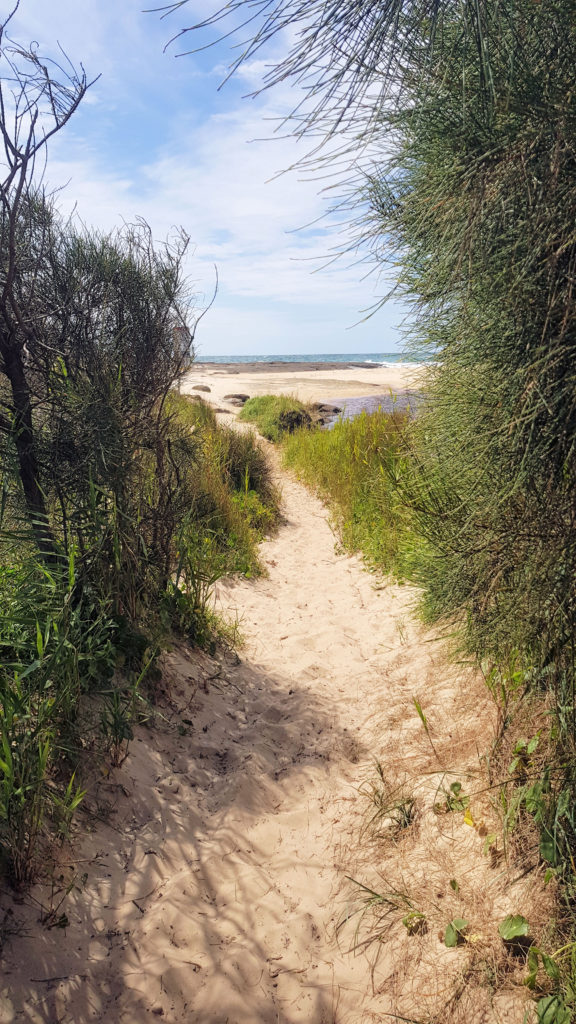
196, 167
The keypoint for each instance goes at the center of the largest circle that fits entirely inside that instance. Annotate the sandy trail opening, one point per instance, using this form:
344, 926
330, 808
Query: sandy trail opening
215, 870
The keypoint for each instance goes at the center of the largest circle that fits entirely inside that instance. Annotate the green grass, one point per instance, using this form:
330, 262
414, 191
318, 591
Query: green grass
353, 467
276, 415
234, 497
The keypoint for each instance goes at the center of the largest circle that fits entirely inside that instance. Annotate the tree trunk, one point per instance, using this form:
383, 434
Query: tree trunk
23, 434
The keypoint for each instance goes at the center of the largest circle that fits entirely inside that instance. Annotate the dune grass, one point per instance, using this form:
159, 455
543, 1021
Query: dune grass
354, 467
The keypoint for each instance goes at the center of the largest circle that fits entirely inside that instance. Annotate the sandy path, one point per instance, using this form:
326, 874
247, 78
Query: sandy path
214, 874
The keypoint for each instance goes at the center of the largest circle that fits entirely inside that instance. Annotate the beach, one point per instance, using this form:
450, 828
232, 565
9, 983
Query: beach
310, 382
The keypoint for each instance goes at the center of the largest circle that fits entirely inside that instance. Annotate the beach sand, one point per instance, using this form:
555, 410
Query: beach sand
210, 883
310, 382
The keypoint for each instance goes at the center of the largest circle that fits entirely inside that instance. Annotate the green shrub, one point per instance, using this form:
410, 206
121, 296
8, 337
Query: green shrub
276, 415
57, 647
143, 554
479, 199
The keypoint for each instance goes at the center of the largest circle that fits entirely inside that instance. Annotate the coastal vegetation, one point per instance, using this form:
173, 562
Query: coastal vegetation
353, 467
276, 415
121, 501
471, 108
136, 555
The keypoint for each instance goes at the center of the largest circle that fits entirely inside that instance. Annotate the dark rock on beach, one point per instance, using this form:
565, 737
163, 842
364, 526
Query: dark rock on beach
201, 387
238, 400
323, 413
293, 419
328, 410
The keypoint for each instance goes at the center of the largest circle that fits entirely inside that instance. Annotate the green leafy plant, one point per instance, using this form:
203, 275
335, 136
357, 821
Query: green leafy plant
415, 923
65, 806
454, 800
537, 959
455, 933
523, 751
116, 725
513, 926
553, 1010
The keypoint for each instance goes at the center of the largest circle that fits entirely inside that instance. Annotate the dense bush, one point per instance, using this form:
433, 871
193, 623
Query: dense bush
77, 639
144, 503
479, 198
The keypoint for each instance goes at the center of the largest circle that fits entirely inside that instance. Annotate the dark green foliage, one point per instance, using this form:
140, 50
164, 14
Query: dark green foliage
56, 649
78, 640
142, 495
120, 502
479, 201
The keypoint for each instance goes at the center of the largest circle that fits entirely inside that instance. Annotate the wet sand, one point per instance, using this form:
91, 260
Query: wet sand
284, 365
310, 382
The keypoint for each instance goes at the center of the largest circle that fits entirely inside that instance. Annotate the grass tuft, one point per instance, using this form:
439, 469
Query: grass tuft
276, 415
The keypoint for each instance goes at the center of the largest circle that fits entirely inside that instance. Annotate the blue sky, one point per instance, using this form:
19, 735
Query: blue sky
156, 137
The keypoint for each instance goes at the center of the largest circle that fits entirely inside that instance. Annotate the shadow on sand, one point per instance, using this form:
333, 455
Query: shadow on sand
179, 916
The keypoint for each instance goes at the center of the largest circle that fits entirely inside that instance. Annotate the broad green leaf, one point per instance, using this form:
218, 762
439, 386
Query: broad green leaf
455, 932
513, 926
552, 1010
550, 966
548, 847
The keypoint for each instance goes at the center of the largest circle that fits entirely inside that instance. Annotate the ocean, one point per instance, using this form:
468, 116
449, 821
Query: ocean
377, 358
